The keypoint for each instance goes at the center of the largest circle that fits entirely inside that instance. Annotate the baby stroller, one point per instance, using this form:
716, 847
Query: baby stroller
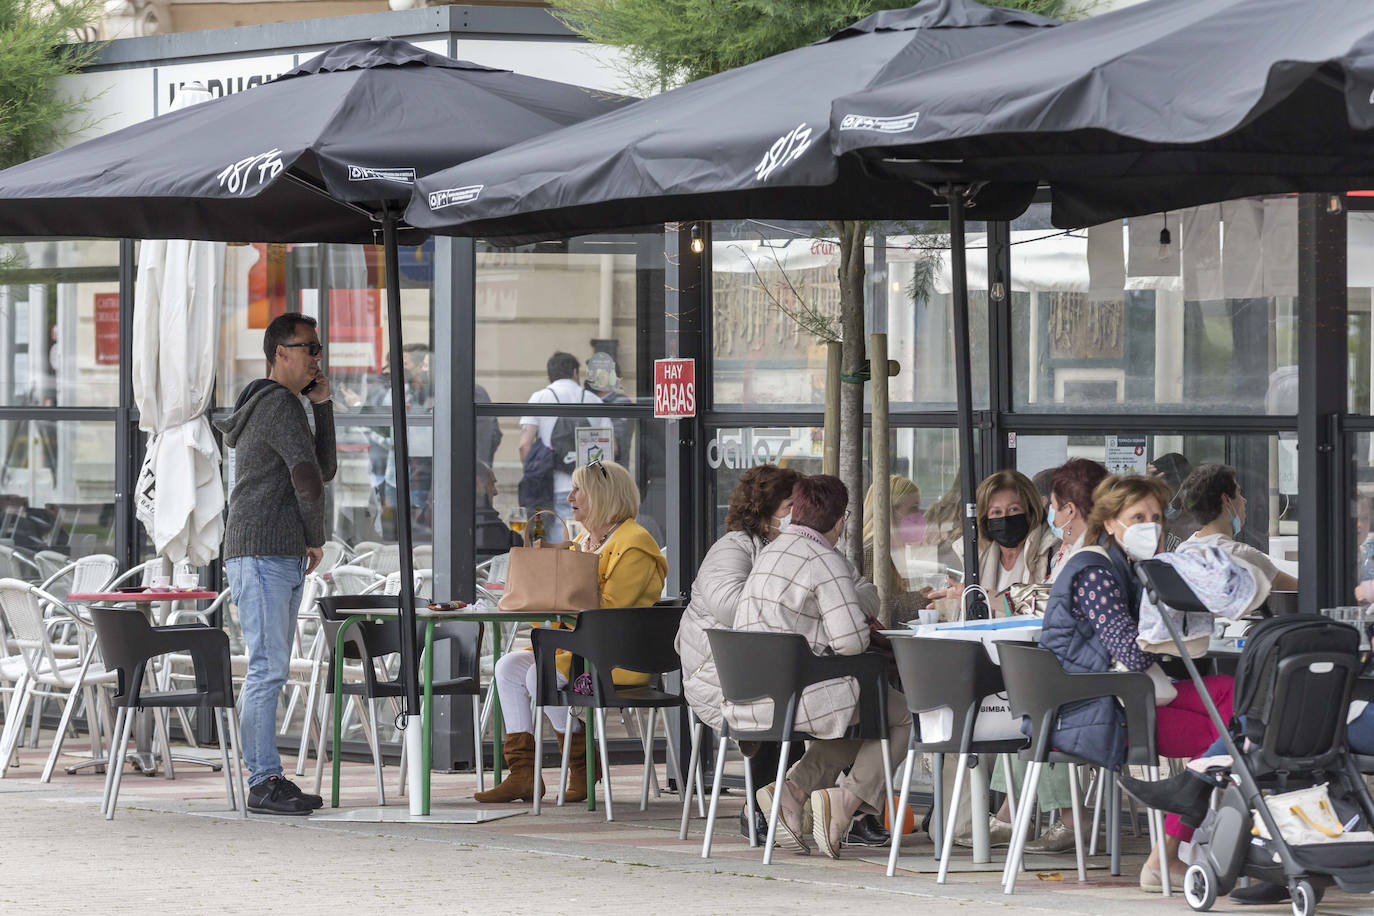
1300, 670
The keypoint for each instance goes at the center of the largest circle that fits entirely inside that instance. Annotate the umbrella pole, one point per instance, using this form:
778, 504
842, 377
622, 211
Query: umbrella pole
410, 655
963, 372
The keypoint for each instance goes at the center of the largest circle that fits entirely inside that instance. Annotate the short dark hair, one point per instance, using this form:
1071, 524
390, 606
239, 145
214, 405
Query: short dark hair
1043, 481
1074, 482
281, 330
1203, 489
819, 501
562, 365
757, 496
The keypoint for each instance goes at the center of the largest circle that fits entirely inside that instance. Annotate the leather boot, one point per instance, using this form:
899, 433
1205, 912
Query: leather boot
577, 767
519, 782
1186, 794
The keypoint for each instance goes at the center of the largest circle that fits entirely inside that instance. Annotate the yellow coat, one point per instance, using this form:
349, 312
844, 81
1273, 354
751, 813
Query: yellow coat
631, 573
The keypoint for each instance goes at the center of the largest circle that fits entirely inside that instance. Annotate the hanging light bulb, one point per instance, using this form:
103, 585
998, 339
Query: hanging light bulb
698, 246
1165, 240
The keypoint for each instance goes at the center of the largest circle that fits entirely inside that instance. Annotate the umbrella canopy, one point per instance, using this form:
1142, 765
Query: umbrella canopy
750, 142
308, 157
1161, 105
180, 495
325, 153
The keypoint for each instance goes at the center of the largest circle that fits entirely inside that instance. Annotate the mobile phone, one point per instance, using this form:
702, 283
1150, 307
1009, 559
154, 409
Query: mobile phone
311, 387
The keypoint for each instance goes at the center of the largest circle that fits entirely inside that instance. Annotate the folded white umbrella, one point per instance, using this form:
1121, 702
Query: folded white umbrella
180, 495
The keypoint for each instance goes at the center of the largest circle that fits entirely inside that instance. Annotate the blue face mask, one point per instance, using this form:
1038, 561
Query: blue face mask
1054, 529
1235, 526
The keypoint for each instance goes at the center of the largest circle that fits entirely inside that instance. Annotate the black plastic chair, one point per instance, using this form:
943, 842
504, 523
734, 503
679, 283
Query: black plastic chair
778, 667
127, 643
631, 638
1037, 688
371, 641
955, 674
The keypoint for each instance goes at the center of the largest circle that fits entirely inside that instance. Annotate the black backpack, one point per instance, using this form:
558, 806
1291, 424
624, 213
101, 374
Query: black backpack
563, 440
1271, 641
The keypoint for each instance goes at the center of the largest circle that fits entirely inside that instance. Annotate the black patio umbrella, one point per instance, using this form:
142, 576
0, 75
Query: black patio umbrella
1162, 105
750, 142
325, 153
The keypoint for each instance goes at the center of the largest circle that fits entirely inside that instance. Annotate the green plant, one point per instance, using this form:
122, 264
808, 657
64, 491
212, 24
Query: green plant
35, 54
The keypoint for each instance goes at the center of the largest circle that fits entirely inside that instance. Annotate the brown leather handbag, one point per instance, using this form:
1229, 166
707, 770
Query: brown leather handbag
551, 577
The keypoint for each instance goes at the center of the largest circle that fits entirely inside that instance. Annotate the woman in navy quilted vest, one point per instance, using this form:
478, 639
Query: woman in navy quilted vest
1091, 625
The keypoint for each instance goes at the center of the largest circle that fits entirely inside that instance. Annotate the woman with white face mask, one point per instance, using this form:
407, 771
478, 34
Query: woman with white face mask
1091, 625
1212, 494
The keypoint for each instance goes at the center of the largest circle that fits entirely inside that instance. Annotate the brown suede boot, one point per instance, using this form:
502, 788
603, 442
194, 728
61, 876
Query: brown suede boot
577, 767
519, 782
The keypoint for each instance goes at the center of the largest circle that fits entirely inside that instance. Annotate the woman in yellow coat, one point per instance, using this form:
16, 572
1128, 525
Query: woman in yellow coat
631, 569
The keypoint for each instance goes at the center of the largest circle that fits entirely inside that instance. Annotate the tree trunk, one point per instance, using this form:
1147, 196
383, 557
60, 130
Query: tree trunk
851, 279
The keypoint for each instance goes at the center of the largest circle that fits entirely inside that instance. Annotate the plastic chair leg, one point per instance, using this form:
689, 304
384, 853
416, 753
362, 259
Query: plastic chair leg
66, 719
14, 723
937, 803
775, 813
114, 764
374, 737
898, 820
538, 760
605, 761
1011, 785
647, 741
1157, 818
693, 762
563, 763
477, 741
947, 848
715, 797
1077, 824
1018, 830
222, 728
233, 717
1099, 782
750, 803
117, 762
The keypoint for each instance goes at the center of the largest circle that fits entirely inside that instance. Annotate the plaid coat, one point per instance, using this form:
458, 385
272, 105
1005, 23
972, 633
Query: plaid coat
801, 586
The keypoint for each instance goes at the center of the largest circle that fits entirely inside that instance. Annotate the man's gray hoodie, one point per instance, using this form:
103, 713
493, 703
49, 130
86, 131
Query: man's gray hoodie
277, 506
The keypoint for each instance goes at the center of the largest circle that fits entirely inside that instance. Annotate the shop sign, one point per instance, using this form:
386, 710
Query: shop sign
1125, 455
107, 329
595, 443
675, 389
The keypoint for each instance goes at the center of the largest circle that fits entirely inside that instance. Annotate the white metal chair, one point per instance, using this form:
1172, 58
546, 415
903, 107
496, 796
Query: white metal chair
43, 673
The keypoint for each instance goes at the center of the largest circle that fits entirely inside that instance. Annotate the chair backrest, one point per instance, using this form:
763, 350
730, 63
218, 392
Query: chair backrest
94, 572
762, 666
353, 580
23, 611
334, 554
14, 564
50, 562
123, 635
634, 638
127, 641
953, 673
422, 556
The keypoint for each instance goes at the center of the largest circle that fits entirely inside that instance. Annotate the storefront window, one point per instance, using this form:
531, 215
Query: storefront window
59, 323
1190, 311
776, 298
57, 485
1360, 327
599, 299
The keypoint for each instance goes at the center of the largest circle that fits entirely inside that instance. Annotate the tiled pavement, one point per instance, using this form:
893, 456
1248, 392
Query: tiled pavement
173, 849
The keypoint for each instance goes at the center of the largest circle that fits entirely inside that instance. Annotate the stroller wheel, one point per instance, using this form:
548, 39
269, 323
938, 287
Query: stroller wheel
1304, 898
1200, 887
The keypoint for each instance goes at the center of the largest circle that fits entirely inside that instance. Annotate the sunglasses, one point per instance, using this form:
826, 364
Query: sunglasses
313, 346
596, 463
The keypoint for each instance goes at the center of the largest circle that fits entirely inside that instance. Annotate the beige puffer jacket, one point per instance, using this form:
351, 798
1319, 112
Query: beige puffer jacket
715, 598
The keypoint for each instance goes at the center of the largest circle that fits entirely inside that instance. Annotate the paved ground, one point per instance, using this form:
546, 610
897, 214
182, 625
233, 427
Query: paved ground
172, 849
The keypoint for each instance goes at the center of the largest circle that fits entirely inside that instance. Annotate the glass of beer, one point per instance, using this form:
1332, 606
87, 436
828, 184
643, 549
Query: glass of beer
517, 520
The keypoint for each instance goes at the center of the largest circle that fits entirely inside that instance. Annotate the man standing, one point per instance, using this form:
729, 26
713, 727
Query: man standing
275, 534
559, 433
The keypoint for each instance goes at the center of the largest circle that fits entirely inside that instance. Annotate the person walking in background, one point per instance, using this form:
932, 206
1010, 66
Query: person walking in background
548, 445
275, 535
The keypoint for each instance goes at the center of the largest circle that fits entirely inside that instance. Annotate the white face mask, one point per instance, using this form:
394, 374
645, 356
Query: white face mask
782, 522
1141, 540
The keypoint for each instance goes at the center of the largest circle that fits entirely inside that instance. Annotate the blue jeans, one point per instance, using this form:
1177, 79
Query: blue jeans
267, 591
1359, 735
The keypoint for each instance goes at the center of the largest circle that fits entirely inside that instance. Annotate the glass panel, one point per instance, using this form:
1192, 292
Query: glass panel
1204, 322
342, 287
775, 297
1361, 513
59, 323
57, 484
598, 299
1360, 327
643, 452
1266, 470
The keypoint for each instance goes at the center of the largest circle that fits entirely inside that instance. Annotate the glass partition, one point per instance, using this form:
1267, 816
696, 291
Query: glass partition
57, 486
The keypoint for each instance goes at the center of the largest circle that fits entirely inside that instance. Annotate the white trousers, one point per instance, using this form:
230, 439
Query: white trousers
514, 676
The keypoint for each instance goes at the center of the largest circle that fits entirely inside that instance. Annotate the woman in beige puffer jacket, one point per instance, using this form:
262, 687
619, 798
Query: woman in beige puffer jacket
760, 508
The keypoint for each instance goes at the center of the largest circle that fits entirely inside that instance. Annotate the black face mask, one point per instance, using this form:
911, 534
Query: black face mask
1009, 530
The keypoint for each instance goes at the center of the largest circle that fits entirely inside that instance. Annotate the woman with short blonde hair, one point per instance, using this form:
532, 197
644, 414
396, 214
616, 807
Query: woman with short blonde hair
630, 573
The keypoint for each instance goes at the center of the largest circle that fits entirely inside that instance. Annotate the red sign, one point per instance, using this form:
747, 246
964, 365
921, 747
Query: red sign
355, 330
675, 389
107, 329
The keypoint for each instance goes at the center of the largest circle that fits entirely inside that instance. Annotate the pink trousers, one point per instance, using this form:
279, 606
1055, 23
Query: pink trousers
1183, 729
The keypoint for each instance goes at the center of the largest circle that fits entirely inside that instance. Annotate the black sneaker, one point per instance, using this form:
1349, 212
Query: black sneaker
291, 790
867, 830
271, 796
